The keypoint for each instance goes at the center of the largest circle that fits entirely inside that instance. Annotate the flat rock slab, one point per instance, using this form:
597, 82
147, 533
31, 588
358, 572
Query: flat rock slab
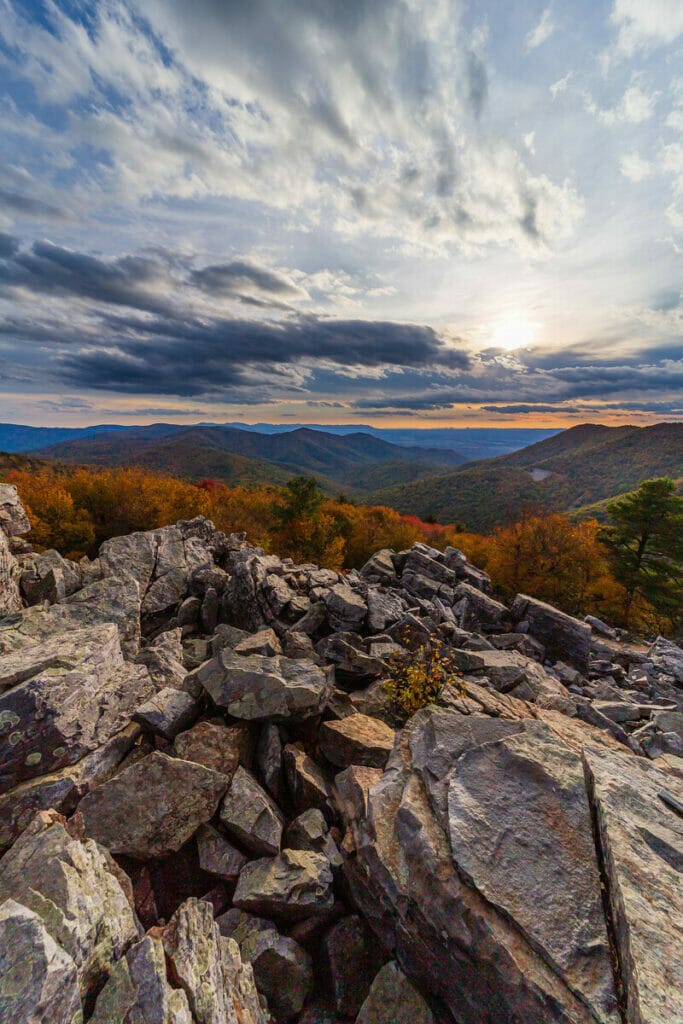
218, 747
257, 687
152, 807
168, 712
564, 637
249, 814
520, 833
393, 998
641, 841
217, 855
293, 886
357, 739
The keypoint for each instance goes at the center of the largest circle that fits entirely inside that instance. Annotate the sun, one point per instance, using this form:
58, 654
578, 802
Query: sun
516, 332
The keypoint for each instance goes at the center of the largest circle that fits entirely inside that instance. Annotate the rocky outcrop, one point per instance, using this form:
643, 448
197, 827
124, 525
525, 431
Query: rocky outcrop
213, 813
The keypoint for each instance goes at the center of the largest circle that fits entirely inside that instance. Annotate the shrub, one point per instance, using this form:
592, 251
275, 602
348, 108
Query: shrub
419, 674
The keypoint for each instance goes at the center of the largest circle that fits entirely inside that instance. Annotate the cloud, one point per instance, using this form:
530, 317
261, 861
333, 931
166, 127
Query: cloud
633, 167
646, 24
561, 85
635, 106
9, 245
530, 142
542, 30
237, 277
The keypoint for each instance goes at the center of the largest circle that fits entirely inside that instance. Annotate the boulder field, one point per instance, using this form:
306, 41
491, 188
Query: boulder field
211, 812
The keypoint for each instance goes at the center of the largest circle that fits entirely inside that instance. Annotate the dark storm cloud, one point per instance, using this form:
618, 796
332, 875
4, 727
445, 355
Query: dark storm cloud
231, 279
478, 84
30, 207
193, 357
9, 245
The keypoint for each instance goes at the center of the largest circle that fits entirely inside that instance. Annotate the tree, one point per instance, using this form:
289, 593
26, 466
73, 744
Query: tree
645, 543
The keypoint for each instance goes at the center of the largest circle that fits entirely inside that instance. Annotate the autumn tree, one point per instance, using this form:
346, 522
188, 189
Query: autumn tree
645, 543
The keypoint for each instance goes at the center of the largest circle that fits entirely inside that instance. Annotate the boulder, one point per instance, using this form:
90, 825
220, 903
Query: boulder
346, 609
167, 713
217, 855
10, 598
38, 979
249, 814
64, 697
352, 959
393, 998
269, 760
163, 659
219, 987
357, 739
475, 609
308, 786
384, 608
138, 990
114, 599
13, 518
283, 971
667, 657
310, 831
292, 886
78, 892
564, 637
153, 807
257, 687
640, 840
494, 935
264, 642
218, 747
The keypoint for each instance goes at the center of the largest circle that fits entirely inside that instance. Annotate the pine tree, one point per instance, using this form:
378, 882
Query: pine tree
645, 541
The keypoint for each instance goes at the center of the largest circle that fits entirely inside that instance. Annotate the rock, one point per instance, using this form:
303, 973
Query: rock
393, 998
151, 808
352, 960
357, 739
295, 885
490, 954
299, 645
217, 747
138, 990
115, 599
264, 642
380, 566
10, 598
476, 609
167, 713
618, 711
346, 609
641, 839
598, 626
256, 687
269, 760
13, 517
62, 790
384, 608
282, 969
209, 612
249, 814
75, 888
667, 657
220, 988
420, 563
62, 698
217, 855
310, 832
306, 781
511, 672
189, 613
163, 659
38, 979
564, 637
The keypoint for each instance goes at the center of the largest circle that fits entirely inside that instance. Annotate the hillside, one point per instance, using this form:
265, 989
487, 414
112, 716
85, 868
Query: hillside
240, 456
580, 466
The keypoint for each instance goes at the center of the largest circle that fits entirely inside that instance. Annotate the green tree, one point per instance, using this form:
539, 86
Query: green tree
301, 499
645, 543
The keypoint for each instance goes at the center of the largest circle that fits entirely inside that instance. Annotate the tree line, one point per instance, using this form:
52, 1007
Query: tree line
628, 570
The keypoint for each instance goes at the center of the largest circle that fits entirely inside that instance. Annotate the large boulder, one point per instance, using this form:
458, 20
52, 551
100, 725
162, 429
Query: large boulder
393, 998
249, 814
64, 697
152, 807
77, 891
257, 687
295, 885
467, 857
667, 657
13, 517
641, 839
10, 598
564, 637
138, 990
356, 739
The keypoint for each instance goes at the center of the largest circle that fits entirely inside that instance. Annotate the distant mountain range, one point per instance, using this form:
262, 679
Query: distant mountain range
354, 462
578, 467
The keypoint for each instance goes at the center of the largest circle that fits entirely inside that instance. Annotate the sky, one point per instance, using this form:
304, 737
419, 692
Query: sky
397, 212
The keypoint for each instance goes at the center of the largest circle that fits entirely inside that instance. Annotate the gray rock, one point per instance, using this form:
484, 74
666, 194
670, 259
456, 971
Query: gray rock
249, 814
393, 998
667, 657
217, 855
256, 687
282, 969
10, 598
564, 637
167, 713
62, 698
346, 653
75, 888
357, 739
114, 599
163, 659
220, 988
209, 611
380, 566
476, 609
138, 990
641, 839
153, 807
13, 517
618, 711
38, 979
310, 832
189, 612
269, 760
346, 609
295, 885
264, 642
